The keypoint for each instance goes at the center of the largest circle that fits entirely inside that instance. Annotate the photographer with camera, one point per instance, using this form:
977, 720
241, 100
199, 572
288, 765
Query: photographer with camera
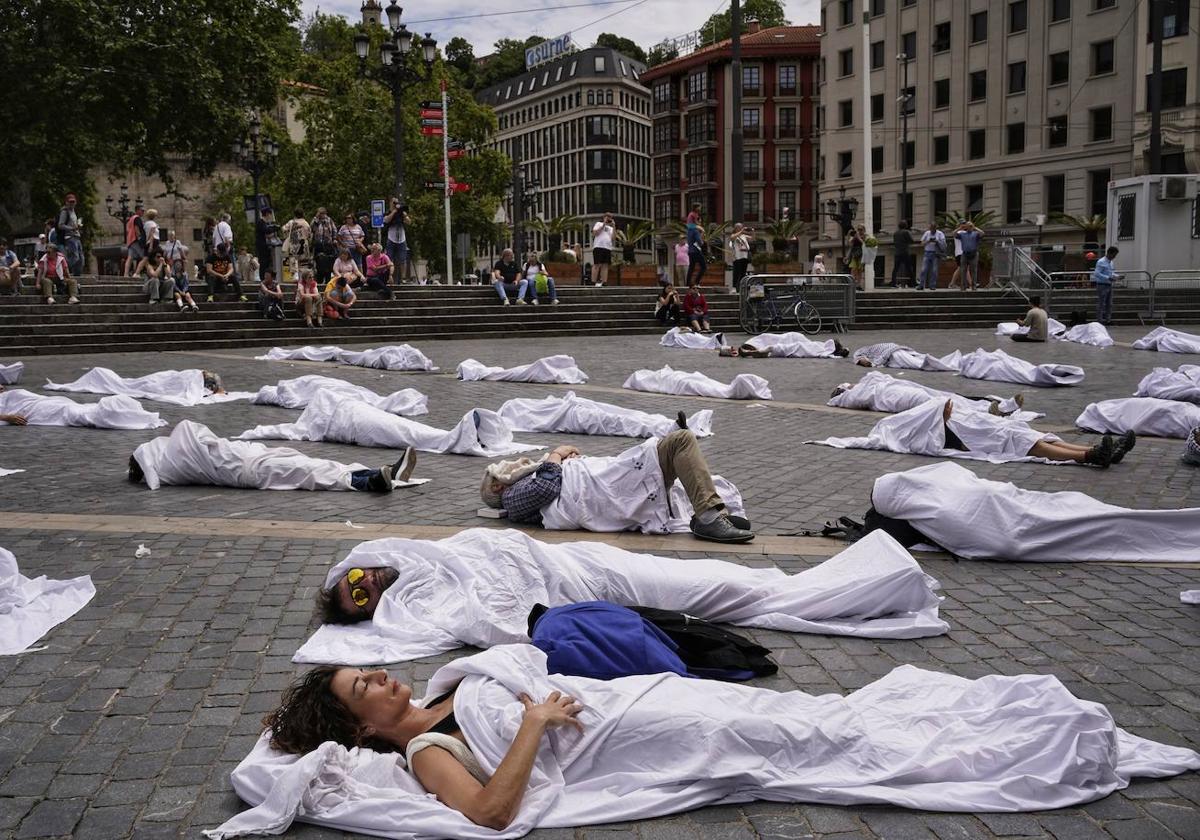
266, 237
602, 245
396, 223
740, 241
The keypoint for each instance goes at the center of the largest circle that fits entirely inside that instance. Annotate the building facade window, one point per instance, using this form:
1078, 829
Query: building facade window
845, 113
877, 55
1175, 16
1102, 58
941, 37
909, 151
979, 27
697, 86
787, 79
876, 107
787, 204
908, 44
750, 205
1060, 10
878, 7
845, 164
1016, 77
1056, 194
751, 121
937, 202
1056, 131
787, 164
941, 149
1100, 123
977, 143
1098, 191
978, 85
909, 103
1015, 132
1126, 214
876, 159
1060, 68
845, 12
752, 81
1018, 16
1174, 88
787, 126
750, 169
974, 198
941, 94
846, 62
1013, 202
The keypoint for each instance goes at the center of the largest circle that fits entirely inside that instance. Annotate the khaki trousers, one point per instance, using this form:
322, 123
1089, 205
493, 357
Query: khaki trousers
679, 456
47, 286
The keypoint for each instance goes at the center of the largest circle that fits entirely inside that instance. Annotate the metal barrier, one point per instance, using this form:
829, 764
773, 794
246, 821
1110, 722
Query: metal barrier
1023, 276
1170, 279
831, 294
1083, 279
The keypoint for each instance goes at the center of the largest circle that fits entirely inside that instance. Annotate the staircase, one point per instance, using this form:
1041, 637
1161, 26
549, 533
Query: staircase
947, 309
114, 316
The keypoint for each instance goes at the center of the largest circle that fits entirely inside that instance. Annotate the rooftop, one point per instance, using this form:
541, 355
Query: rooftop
773, 40
564, 70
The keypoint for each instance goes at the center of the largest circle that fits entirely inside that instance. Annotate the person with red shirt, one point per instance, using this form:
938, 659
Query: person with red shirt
54, 274
695, 308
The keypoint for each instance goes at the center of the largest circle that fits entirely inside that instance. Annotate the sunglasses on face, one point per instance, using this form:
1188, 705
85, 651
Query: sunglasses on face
358, 595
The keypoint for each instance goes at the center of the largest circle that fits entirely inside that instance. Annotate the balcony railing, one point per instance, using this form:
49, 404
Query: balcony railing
697, 141
785, 131
751, 131
787, 90
756, 90
671, 144
752, 174
787, 175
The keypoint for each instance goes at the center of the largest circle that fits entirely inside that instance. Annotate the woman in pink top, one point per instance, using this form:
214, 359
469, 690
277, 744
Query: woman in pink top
682, 261
379, 271
308, 298
346, 267
350, 237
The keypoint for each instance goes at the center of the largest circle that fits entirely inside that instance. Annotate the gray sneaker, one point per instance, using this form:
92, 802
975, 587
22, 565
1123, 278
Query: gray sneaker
720, 530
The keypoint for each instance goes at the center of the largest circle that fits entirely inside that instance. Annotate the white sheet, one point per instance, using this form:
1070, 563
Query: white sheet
981, 519
888, 354
108, 413
1010, 328
575, 415
11, 374
1166, 340
477, 587
390, 357
745, 386
299, 392
625, 492
1001, 367
689, 340
793, 345
4, 472
559, 370
1143, 415
1166, 384
1093, 333
1190, 596
192, 454
921, 431
30, 607
878, 391
338, 418
661, 744
175, 387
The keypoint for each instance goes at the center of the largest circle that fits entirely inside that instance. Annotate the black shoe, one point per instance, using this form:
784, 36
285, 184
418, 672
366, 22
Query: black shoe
1125, 444
1101, 455
839, 350
739, 521
402, 469
720, 530
681, 420
381, 482
136, 476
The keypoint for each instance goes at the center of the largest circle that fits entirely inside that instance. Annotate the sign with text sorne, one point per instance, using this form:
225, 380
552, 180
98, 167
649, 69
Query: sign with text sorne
548, 50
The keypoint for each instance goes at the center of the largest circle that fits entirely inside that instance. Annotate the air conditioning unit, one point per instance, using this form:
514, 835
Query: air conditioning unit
1177, 188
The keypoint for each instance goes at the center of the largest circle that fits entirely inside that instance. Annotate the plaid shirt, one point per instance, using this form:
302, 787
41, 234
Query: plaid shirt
878, 354
323, 230
525, 499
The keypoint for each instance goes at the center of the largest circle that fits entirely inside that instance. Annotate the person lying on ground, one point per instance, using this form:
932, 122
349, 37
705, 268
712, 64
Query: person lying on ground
19, 407
563, 490
878, 391
890, 354
792, 345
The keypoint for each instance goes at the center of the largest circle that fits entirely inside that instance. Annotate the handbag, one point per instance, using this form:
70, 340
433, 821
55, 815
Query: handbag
541, 282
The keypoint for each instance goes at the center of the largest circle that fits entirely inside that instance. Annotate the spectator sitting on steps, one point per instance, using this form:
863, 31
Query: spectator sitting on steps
53, 275
270, 297
160, 285
667, 311
308, 298
339, 299
507, 279
10, 270
246, 267
535, 275
380, 269
218, 272
695, 308
345, 268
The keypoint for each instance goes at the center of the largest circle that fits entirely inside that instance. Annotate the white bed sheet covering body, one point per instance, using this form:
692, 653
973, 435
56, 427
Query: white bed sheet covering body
625, 492
745, 386
175, 387
922, 431
877, 391
1143, 415
1010, 328
1166, 384
559, 370
906, 358
1092, 333
1167, 340
981, 519
192, 454
11, 374
391, 357
1001, 367
793, 345
337, 418
299, 392
573, 414
661, 744
107, 413
29, 607
1190, 596
478, 586
308, 353
676, 337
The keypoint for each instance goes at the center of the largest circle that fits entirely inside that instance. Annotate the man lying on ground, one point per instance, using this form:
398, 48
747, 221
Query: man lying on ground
880, 392
630, 491
890, 354
791, 345
192, 454
177, 387
576, 415
19, 407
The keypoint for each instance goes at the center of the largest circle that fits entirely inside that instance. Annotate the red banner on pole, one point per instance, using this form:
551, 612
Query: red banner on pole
432, 131
456, 153
456, 187
431, 114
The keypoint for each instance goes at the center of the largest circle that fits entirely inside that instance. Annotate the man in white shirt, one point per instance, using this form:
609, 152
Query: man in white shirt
223, 234
935, 245
176, 254
150, 224
602, 243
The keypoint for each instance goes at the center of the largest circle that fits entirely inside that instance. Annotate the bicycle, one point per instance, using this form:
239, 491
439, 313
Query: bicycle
765, 307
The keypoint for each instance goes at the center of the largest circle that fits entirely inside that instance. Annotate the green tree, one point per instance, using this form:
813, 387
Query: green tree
1093, 228
622, 45
507, 61
555, 229
660, 54
766, 12
111, 83
633, 234
346, 157
461, 57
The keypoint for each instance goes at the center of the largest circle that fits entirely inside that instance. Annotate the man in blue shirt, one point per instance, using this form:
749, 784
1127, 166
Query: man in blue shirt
1102, 276
969, 237
10, 270
695, 242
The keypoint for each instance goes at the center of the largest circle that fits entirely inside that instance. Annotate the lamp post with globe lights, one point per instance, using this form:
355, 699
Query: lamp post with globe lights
843, 211
397, 72
255, 154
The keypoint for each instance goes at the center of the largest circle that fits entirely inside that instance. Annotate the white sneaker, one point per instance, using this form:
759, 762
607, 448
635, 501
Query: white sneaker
179, 303
535, 303
72, 299
50, 300
554, 302
506, 301
522, 301
151, 301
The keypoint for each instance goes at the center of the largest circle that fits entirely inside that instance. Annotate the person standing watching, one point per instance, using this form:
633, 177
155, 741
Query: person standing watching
970, 238
297, 242
697, 264
150, 230
934, 242
396, 222
902, 242
265, 239
350, 238
741, 253
10, 270
602, 243
135, 241
223, 235
70, 232
681, 261
1103, 276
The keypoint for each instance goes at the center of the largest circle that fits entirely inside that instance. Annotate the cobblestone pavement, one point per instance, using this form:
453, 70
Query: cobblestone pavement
128, 722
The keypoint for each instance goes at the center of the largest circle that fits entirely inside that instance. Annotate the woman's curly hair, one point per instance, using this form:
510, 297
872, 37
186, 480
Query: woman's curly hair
311, 714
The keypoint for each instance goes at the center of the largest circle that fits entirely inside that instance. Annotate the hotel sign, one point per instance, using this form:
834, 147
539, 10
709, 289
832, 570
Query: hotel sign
548, 50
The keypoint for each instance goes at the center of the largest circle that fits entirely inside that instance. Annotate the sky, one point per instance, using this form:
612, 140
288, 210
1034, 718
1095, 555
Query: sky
644, 21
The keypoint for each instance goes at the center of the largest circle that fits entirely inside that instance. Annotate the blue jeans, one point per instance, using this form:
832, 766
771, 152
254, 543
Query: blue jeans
359, 479
1104, 302
517, 290
929, 271
696, 259
533, 292
74, 255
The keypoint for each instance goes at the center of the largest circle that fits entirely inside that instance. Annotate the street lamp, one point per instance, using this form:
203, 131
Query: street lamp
397, 73
906, 107
122, 204
843, 211
255, 155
